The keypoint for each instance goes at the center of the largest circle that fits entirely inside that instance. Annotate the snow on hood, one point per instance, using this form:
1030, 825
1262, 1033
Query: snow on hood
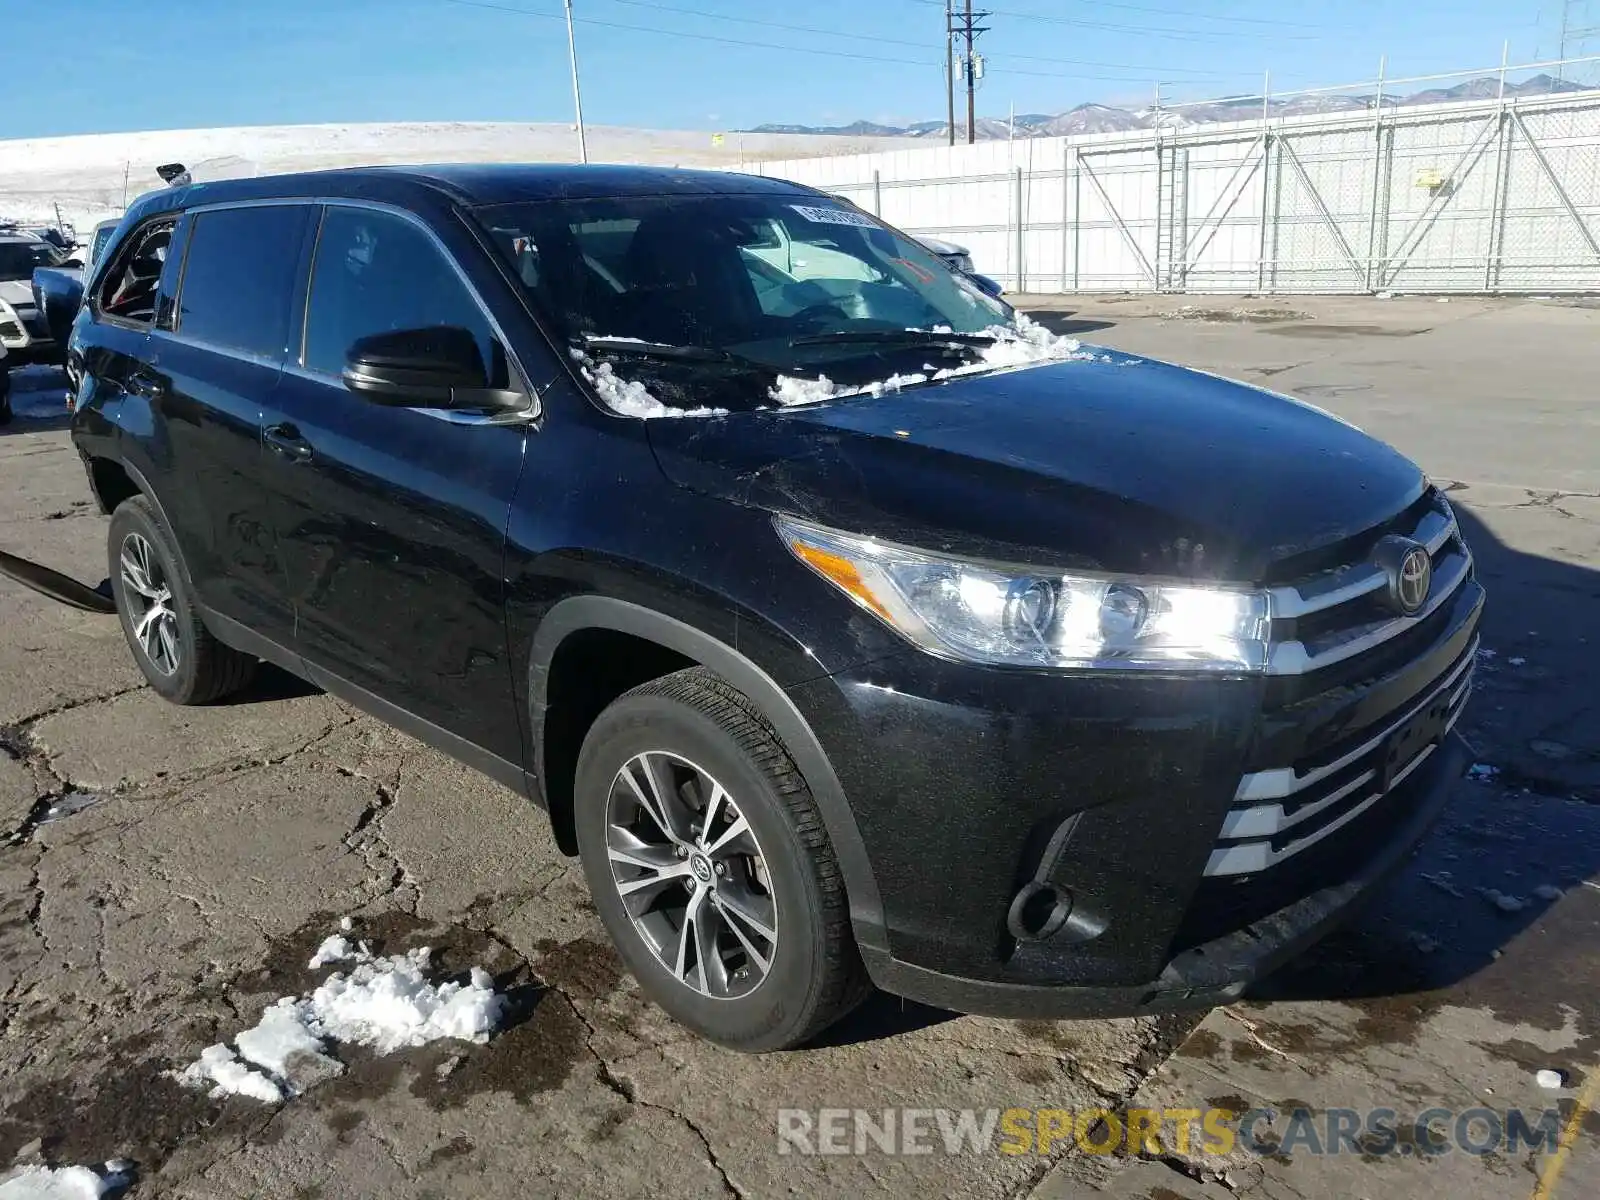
1025, 344
628, 397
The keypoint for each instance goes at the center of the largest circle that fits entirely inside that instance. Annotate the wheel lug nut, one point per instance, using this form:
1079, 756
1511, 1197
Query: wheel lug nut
722, 868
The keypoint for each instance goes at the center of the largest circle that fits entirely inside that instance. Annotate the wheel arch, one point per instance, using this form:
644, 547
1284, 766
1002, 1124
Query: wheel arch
577, 615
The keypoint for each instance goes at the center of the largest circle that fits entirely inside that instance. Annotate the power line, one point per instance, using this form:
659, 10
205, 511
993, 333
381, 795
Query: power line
700, 37
1142, 30
893, 41
1200, 16
486, 5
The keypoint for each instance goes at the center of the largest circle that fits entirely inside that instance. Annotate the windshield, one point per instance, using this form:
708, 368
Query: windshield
18, 259
780, 286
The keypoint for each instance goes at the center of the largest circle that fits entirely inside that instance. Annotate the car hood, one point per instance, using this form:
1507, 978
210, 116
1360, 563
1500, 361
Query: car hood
1118, 464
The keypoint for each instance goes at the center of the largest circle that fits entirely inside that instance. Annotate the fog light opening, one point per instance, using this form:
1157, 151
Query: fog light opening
1038, 911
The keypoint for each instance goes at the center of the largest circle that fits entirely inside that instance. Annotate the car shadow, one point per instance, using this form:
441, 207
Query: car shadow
38, 400
881, 1016
1064, 323
1520, 831
271, 683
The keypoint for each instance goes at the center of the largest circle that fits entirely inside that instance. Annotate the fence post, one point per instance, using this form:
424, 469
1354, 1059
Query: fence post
1066, 205
877, 193
1497, 214
1020, 274
1374, 272
1077, 216
1266, 205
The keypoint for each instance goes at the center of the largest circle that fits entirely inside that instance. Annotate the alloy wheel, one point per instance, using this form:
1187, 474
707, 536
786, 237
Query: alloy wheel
148, 596
691, 875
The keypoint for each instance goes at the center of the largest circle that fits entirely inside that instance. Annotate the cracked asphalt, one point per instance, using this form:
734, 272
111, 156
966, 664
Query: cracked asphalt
202, 854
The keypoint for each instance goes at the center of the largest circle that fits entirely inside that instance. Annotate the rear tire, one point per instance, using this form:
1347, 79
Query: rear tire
5, 395
769, 960
178, 655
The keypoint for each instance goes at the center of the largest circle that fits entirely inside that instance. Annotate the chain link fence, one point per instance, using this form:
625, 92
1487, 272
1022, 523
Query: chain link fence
1485, 195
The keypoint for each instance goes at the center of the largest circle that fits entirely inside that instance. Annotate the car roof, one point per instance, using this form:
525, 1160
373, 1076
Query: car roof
468, 185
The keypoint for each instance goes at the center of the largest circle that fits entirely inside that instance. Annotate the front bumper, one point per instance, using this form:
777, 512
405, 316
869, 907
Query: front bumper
970, 786
1211, 973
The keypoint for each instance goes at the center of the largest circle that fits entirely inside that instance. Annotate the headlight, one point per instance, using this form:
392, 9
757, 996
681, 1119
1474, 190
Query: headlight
988, 613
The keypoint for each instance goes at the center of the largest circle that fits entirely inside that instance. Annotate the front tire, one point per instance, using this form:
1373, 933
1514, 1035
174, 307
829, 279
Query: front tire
710, 866
178, 655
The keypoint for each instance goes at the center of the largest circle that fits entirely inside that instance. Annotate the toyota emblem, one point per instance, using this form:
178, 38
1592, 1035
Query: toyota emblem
1408, 569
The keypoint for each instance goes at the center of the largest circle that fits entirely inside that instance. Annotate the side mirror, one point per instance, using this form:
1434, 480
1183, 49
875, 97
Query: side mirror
438, 367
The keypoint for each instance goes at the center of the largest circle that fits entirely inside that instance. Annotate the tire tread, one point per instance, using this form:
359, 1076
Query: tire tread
841, 981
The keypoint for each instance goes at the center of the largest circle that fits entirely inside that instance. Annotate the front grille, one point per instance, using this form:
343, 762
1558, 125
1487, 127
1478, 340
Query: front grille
1338, 646
1279, 812
1339, 613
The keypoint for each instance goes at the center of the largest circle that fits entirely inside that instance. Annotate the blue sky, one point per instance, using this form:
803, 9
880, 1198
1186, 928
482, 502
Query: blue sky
152, 64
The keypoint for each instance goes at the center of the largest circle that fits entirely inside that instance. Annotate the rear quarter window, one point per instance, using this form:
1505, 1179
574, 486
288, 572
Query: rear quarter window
238, 278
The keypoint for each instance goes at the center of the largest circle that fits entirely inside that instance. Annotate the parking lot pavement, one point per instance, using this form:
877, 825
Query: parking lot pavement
217, 847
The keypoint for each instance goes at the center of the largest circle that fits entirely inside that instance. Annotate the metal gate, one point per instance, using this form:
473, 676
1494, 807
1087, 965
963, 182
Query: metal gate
1480, 196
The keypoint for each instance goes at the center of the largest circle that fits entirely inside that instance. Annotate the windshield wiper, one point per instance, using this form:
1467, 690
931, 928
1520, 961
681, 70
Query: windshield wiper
662, 350
898, 337
668, 352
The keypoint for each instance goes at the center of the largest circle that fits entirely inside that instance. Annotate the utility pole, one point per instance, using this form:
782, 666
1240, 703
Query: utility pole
950, 74
971, 65
577, 95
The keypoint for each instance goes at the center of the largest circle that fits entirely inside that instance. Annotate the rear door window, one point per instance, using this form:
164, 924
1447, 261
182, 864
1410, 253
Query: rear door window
238, 278
376, 272
129, 290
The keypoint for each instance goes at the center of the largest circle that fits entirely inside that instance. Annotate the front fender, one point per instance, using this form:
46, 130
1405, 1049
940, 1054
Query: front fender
577, 613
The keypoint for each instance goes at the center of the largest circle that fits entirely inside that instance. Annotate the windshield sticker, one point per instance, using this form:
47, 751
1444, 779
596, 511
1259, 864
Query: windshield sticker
834, 216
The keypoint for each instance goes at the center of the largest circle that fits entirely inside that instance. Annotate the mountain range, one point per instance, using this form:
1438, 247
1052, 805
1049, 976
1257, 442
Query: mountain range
1106, 118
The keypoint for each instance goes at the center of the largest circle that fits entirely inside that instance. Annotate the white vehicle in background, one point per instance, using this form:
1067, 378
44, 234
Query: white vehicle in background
23, 331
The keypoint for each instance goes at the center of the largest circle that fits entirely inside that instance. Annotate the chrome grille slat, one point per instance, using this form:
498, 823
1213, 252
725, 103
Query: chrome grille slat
1282, 781
1247, 857
1436, 528
1293, 658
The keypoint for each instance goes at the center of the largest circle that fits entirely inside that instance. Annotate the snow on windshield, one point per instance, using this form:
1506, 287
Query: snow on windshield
1024, 344
629, 397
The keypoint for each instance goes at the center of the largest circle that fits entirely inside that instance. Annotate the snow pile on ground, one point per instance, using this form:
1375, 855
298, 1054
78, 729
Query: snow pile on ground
386, 1003
65, 1183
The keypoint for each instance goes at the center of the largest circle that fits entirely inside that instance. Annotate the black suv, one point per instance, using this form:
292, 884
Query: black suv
849, 628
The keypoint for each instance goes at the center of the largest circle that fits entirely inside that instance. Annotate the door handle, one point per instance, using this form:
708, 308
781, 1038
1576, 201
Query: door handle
285, 440
148, 386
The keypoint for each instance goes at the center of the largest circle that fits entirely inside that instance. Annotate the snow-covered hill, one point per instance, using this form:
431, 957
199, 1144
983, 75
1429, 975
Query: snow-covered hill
87, 175
1105, 118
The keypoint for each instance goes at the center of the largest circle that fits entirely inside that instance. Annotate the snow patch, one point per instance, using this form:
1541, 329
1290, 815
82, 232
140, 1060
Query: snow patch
220, 1067
386, 1003
630, 398
1025, 344
65, 1183
790, 389
333, 949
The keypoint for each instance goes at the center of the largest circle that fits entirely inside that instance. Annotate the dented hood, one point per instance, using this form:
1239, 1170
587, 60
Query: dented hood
1118, 464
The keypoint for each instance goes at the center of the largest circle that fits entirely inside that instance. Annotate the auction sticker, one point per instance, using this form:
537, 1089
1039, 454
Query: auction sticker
835, 216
